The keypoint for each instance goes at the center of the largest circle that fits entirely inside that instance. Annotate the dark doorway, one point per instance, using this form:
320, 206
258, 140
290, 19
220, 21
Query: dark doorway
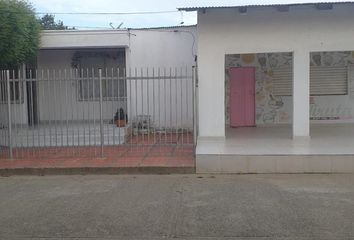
31, 90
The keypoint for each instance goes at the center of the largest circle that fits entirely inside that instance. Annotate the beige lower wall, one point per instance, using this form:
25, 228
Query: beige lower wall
274, 164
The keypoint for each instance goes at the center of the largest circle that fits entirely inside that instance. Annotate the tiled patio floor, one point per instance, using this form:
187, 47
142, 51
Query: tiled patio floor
162, 151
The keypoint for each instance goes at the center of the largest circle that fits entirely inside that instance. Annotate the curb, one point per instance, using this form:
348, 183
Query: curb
96, 170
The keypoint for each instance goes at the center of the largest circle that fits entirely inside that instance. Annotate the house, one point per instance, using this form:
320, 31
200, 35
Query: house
56, 101
276, 88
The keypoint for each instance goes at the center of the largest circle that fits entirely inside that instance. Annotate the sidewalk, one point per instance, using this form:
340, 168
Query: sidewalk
117, 159
207, 207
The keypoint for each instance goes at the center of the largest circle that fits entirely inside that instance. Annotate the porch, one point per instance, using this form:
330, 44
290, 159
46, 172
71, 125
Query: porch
270, 149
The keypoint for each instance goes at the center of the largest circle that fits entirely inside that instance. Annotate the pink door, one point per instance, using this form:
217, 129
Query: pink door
242, 97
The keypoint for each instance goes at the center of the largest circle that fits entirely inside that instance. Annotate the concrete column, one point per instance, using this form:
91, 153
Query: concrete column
211, 94
301, 94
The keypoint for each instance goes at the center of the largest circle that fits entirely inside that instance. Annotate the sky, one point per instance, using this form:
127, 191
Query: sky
140, 20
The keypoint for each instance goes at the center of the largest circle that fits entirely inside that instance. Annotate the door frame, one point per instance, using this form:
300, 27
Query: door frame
254, 124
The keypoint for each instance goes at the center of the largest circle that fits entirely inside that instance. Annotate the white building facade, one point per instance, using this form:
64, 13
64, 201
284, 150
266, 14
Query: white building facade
80, 52
301, 56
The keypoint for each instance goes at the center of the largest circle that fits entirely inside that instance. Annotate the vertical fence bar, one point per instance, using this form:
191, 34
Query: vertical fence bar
165, 99
123, 100
118, 100
101, 111
54, 82
15, 110
89, 83
79, 84
2, 125
48, 103
181, 90
42, 102
4, 101
66, 82
159, 102
20, 113
106, 96
61, 112
131, 106
136, 105
176, 97
82, 92
104, 102
9, 114
88, 107
194, 87
93, 93
113, 99
72, 99
187, 108
170, 108
31, 127
37, 84
148, 103
153, 104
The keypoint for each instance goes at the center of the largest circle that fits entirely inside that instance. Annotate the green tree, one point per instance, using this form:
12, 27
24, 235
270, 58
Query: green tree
19, 33
48, 22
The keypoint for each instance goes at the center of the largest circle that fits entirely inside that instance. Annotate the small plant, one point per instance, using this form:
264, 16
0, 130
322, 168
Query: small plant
120, 118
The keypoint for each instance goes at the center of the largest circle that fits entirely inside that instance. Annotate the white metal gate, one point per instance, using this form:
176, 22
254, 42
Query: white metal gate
88, 112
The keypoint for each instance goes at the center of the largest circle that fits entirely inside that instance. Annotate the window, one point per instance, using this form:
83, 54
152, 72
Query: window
113, 83
282, 81
351, 80
323, 81
329, 81
113, 87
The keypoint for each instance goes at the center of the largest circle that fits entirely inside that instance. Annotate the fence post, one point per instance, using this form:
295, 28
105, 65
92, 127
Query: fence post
194, 97
9, 113
101, 111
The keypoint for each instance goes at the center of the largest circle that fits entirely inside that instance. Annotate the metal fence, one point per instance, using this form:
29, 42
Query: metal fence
89, 112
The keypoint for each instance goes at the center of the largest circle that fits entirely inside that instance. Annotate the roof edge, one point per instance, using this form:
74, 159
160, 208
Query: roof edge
122, 30
190, 9
167, 27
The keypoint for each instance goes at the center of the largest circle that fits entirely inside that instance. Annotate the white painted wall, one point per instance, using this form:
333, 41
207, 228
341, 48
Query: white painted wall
162, 47
80, 38
172, 50
165, 48
226, 31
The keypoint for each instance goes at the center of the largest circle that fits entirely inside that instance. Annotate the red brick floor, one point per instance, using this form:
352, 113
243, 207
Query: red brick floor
155, 150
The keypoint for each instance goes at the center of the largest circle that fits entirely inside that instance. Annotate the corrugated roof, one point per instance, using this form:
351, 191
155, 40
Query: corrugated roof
263, 5
165, 27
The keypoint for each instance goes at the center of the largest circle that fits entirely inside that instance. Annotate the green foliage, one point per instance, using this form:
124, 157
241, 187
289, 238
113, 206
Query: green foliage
19, 33
47, 22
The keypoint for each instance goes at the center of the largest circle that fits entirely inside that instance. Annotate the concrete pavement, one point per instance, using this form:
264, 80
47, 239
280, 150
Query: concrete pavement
177, 207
